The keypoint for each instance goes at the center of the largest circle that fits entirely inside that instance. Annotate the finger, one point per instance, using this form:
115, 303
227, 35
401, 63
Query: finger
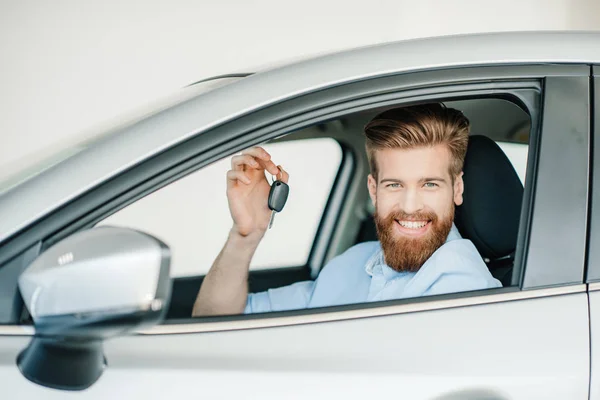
263, 158
269, 166
238, 162
258, 152
237, 176
283, 175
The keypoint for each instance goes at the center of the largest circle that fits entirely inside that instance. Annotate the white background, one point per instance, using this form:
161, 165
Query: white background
66, 66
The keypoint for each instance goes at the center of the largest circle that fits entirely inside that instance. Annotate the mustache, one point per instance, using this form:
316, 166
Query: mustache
404, 216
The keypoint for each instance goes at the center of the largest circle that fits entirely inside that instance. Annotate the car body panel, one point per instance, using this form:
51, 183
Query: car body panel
594, 305
502, 355
133, 144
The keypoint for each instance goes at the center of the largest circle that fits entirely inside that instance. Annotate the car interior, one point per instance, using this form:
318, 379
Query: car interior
489, 216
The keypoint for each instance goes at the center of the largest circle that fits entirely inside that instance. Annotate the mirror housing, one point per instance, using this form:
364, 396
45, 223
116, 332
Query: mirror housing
93, 285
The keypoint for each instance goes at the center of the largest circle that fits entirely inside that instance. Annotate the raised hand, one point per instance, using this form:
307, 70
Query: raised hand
248, 190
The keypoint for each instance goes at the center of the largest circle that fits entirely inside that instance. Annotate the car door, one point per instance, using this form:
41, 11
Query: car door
530, 340
501, 345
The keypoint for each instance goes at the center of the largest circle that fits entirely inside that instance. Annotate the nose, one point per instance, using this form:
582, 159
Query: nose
411, 202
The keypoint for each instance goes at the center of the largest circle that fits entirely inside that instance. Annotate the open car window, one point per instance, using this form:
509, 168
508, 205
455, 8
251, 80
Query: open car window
191, 215
517, 154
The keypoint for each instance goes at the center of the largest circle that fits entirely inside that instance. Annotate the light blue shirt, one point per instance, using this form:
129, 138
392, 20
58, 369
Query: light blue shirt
360, 275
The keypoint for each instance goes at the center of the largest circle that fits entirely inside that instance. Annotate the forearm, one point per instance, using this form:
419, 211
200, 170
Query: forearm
225, 287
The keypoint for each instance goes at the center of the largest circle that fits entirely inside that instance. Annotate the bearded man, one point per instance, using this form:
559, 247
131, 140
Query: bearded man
416, 156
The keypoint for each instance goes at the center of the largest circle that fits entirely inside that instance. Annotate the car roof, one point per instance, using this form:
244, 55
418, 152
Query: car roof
132, 144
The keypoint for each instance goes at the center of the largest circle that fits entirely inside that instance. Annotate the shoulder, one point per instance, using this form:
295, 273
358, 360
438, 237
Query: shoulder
360, 252
458, 262
344, 278
355, 257
462, 251
362, 249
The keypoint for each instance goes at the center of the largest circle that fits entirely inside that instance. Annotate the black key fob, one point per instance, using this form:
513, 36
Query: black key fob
278, 195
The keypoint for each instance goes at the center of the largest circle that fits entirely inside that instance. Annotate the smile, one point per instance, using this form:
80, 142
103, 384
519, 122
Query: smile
412, 228
413, 224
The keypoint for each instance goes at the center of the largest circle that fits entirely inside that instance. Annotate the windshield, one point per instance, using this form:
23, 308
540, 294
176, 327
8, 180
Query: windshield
25, 168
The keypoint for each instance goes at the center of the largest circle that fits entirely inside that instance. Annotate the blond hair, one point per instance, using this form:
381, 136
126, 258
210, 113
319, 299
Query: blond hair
423, 125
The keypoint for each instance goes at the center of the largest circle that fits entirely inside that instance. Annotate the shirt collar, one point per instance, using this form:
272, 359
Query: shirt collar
376, 263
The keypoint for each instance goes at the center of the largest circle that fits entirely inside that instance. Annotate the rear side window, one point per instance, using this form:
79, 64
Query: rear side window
517, 154
191, 215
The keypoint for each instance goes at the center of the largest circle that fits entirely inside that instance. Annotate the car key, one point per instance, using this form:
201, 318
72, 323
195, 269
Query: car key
277, 197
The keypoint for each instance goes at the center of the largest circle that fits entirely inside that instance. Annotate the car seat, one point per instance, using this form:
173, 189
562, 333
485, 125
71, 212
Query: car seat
491, 209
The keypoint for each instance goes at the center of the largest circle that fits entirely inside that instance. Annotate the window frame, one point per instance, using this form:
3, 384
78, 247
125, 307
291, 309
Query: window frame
517, 89
593, 252
306, 110
565, 108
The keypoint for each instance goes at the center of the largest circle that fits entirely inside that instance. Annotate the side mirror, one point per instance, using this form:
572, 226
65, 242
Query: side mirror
91, 286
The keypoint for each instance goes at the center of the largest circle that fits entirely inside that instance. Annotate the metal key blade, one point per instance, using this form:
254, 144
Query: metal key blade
272, 218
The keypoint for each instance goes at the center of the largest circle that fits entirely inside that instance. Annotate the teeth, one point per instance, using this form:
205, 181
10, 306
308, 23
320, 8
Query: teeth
413, 224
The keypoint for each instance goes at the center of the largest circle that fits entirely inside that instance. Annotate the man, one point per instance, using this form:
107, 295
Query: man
416, 155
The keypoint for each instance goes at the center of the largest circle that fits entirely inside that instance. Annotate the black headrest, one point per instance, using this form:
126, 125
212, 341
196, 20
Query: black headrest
489, 215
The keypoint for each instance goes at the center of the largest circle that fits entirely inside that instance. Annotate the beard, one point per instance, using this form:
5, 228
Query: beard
408, 254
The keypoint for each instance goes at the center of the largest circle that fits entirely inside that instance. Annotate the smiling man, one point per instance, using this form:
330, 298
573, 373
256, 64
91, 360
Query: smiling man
416, 155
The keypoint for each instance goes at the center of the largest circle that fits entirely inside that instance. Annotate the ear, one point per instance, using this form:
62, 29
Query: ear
459, 188
372, 184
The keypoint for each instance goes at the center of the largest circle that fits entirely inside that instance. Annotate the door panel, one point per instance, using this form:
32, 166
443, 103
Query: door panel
594, 296
525, 349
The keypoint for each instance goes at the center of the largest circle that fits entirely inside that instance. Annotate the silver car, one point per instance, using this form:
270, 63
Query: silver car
92, 306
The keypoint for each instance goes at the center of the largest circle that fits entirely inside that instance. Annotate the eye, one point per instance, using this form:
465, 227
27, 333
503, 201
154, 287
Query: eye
393, 185
430, 185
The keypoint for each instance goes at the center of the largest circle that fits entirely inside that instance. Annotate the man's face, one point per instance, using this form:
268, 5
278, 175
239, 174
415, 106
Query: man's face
414, 198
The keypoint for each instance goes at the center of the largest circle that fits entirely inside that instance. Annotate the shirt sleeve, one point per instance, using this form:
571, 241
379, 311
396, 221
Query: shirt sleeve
461, 282
292, 297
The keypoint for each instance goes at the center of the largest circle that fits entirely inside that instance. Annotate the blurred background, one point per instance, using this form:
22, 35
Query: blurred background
70, 67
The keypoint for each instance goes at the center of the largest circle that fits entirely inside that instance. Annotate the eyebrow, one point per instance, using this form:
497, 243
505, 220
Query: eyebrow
422, 180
